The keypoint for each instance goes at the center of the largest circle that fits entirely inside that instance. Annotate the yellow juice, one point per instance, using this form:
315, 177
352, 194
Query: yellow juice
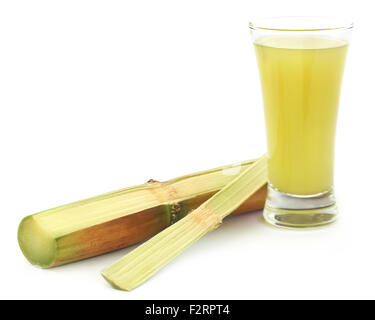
301, 80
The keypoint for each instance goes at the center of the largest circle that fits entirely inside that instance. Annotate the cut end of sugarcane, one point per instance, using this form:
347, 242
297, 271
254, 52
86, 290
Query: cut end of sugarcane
37, 245
113, 283
137, 266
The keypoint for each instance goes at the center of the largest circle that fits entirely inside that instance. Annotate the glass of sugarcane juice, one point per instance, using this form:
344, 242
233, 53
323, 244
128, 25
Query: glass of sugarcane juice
301, 62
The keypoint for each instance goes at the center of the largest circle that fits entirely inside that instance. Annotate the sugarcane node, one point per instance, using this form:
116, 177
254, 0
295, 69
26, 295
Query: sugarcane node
152, 181
207, 219
175, 210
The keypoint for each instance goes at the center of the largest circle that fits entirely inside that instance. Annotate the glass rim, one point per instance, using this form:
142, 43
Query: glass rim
280, 23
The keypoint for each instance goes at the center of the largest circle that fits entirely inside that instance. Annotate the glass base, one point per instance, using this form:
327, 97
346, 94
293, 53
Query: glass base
296, 211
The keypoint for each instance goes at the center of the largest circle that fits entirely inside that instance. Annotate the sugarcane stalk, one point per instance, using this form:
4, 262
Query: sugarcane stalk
122, 218
144, 261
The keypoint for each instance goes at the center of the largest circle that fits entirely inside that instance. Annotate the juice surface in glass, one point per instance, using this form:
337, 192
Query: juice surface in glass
301, 80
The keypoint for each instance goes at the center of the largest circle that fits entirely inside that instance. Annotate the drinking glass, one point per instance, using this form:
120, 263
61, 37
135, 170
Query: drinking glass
301, 62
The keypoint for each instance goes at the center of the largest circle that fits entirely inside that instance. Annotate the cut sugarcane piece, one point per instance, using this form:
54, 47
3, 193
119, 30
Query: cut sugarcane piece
118, 219
140, 264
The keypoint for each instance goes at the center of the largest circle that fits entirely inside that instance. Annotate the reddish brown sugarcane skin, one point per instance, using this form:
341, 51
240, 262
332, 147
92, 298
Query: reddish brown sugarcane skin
131, 229
255, 202
111, 235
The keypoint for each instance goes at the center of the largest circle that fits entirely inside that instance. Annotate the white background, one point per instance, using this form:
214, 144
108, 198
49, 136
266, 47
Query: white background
100, 95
